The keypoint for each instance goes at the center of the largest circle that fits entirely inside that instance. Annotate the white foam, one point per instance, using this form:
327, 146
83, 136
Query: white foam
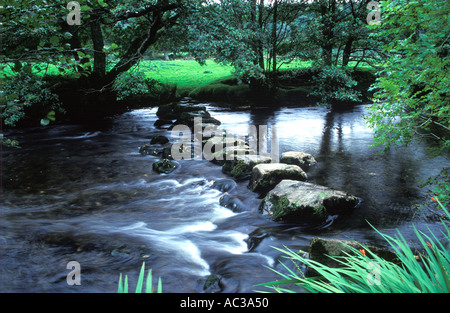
172, 241
201, 226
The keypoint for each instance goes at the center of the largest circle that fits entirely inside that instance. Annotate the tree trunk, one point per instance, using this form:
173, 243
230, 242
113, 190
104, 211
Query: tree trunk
328, 16
166, 55
99, 70
135, 51
260, 52
274, 42
347, 52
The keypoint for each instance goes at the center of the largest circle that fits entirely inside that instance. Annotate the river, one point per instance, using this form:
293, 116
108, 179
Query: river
86, 194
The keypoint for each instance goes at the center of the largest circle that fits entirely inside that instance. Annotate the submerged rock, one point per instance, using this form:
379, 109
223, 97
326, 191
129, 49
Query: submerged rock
161, 122
241, 167
304, 160
159, 139
224, 185
321, 249
146, 149
302, 201
266, 176
164, 166
213, 284
231, 202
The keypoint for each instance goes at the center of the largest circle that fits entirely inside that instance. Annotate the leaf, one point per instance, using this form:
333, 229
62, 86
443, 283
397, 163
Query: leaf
67, 35
81, 54
51, 116
54, 40
45, 122
141, 279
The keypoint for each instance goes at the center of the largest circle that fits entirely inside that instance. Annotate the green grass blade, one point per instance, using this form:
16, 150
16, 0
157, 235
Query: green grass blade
120, 287
125, 287
140, 279
149, 283
159, 290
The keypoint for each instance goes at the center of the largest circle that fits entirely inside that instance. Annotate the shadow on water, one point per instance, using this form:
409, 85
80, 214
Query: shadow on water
77, 193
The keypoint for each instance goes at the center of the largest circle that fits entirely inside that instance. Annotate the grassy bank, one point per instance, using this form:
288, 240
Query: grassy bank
152, 82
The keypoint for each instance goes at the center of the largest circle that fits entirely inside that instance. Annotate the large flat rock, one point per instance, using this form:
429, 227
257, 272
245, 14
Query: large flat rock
267, 175
302, 201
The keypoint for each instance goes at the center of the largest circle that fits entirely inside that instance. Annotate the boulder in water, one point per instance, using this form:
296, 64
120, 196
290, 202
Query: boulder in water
165, 166
231, 202
266, 176
302, 159
224, 185
241, 167
321, 249
302, 201
159, 139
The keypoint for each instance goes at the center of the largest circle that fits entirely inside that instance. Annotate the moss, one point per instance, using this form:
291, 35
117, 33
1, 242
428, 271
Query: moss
164, 166
319, 211
280, 207
241, 170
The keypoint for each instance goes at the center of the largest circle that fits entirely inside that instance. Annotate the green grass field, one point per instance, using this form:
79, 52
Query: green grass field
184, 73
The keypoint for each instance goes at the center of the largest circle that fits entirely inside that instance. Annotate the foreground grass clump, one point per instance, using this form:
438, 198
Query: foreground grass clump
364, 272
123, 286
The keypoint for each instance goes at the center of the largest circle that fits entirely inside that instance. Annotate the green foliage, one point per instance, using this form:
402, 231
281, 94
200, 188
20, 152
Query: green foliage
134, 83
439, 187
123, 286
27, 90
333, 85
362, 271
412, 89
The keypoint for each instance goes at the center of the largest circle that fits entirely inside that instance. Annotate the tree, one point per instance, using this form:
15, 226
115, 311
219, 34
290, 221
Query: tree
335, 30
112, 37
250, 35
413, 86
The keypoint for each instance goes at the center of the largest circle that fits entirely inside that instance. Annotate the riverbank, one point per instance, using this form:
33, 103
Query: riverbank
153, 83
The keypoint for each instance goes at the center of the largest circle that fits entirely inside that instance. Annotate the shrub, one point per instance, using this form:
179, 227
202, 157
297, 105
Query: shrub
334, 85
134, 83
27, 90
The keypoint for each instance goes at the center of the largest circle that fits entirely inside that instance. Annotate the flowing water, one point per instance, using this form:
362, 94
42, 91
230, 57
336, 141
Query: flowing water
85, 194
